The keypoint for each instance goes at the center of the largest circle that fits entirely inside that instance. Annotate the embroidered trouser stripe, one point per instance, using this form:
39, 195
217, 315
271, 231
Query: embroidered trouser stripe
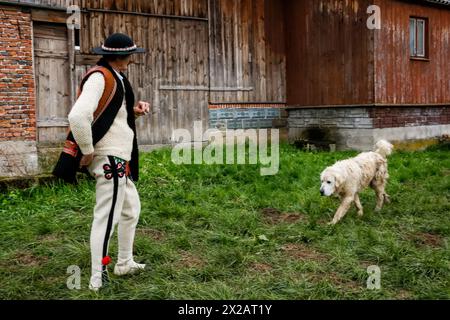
117, 204
111, 213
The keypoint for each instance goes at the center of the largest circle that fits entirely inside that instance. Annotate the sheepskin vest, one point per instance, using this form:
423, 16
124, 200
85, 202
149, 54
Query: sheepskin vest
108, 108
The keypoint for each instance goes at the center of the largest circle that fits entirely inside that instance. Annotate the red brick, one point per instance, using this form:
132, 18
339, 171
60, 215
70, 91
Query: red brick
17, 98
401, 116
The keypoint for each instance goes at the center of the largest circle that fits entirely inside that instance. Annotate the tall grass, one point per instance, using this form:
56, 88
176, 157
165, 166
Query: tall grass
206, 233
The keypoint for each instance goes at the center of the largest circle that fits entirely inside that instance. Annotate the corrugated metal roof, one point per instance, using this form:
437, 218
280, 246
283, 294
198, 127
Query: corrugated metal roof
444, 2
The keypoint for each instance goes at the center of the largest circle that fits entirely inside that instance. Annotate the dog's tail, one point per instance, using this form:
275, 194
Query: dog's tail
384, 148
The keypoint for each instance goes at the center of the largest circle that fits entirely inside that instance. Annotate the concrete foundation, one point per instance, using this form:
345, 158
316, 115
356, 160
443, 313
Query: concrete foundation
358, 128
18, 159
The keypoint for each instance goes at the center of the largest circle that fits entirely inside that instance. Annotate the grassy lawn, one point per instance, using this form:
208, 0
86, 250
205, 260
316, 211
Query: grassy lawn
225, 232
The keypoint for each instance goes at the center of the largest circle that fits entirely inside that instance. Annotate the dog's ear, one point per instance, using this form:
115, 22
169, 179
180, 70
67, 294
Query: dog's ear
339, 180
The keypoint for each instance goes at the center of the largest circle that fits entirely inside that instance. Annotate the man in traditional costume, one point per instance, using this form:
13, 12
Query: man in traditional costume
102, 141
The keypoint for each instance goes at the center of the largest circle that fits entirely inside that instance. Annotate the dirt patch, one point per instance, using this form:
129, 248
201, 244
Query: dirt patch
365, 264
323, 221
404, 295
426, 239
152, 233
261, 267
349, 284
275, 216
188, 260
336, 280
48, 238
25, 182
160, 181
303, 252
415, 145
27, 259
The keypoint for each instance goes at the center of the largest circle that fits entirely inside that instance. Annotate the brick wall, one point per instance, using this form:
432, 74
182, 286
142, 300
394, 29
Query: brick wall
409, 117
17, 96
18, 153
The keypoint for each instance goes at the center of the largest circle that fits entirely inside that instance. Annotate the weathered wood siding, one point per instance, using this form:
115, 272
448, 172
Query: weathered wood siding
192, 8
200, 53
247, 51
236, 57
400, 80
177, 55
329, 53
51, 65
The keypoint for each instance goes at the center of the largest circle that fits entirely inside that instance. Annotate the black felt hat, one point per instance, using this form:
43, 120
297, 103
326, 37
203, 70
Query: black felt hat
118, 44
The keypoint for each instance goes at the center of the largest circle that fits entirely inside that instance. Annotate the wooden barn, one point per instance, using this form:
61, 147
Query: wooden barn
311, 68
352, 85
220, 62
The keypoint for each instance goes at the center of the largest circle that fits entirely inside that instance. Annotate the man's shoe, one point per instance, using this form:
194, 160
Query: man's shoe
96, 283
129, 268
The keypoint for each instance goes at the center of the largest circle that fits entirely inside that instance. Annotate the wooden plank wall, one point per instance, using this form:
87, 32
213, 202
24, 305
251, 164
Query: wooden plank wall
191, 8
194, 8
200, 52
400, 80
247, 51
177, 56
329, 53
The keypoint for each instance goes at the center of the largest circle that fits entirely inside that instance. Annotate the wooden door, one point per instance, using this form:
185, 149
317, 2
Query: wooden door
52, 73
174, 77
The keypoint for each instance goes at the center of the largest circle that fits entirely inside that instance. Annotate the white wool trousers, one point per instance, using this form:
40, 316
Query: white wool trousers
117, 203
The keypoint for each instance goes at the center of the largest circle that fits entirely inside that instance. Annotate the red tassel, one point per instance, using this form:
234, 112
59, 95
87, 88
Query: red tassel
106, 260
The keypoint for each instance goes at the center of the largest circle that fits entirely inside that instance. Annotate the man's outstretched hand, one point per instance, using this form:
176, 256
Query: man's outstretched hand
141, 109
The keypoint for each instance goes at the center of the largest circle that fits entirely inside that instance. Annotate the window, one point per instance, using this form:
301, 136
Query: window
418, 41
77, 39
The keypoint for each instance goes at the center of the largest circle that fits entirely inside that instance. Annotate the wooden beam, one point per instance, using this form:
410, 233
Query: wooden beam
167, 16
49, 16
50, 54
71, 47
53, 123
86, 59
204, 88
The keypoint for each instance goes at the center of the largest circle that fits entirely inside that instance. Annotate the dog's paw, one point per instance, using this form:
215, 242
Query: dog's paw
360, 213
387, 199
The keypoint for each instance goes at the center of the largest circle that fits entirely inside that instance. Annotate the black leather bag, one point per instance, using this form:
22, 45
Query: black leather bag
67, 167
68, 164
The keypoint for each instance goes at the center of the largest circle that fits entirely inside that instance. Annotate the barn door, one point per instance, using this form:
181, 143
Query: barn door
52, 72
173, 76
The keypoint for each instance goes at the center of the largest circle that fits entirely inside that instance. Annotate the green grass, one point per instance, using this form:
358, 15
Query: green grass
204, 234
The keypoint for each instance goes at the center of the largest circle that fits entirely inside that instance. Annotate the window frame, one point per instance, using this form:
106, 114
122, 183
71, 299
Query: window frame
414, 55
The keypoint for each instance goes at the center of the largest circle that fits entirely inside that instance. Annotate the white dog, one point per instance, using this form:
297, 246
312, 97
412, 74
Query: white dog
349, 177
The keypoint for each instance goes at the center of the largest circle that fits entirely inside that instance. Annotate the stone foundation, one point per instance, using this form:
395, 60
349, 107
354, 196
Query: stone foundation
359, 128
251, 116
18, 159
